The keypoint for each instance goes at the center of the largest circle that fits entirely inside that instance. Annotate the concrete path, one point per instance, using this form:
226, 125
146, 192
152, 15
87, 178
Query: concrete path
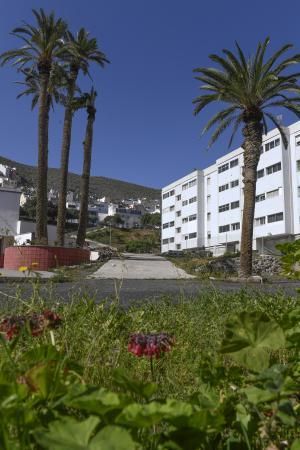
6, 273
140, 267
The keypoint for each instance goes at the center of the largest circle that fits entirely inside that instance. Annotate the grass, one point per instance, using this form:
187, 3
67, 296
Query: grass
96, 335
120, 238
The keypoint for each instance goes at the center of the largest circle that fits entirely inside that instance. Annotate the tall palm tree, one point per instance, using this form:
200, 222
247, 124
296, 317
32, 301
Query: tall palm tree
249, 88
80, 50
89, 100
31, 84
42, 47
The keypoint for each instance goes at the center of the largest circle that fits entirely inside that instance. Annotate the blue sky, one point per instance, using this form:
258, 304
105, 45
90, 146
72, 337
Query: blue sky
145, 131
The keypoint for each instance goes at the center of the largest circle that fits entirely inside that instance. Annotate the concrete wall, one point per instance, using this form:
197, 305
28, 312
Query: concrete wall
9, 211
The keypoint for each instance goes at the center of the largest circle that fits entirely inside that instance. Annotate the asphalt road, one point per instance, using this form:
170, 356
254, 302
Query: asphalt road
132, 290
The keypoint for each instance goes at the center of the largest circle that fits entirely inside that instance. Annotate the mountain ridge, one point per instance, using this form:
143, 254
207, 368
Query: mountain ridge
99, 186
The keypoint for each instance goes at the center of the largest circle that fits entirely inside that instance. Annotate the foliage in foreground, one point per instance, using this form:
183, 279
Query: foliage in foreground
243, 389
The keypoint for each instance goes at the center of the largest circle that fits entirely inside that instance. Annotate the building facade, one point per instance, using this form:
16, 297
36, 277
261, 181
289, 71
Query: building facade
214, 216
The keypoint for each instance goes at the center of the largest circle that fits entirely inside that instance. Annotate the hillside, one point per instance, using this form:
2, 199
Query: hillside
99, 186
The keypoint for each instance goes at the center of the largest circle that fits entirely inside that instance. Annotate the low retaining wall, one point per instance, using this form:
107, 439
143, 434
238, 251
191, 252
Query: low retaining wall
43, 257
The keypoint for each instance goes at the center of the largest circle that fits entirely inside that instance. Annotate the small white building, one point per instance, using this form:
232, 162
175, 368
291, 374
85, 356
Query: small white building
9, 216
216, 218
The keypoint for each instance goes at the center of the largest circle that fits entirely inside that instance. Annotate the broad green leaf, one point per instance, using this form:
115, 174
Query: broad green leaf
112, 438
207, 421
143, 389
242, 415
138, 415
97, 401
248, 336
256, 395
67, 434
296, 445
286, 413
44, 379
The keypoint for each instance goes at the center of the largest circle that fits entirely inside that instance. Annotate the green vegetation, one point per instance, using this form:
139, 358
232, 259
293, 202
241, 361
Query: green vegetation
99, 186
231, 381
133, 240
290, 259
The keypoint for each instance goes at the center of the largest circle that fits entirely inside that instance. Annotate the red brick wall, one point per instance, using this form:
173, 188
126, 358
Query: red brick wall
45, 257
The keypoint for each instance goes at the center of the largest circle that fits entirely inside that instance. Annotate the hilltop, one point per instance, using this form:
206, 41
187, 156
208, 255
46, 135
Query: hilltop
99, 186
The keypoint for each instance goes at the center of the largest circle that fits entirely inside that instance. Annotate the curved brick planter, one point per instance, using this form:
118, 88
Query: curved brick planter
45, 257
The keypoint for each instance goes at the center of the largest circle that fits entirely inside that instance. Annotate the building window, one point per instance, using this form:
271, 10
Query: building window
260, 173
165, 225
234, 183
208, 216
171, 240
272, 144
260, 198
185, 202
272, 194
297, 139
171, 224
178, 213
193, 200
234, 162
298, 165
193, 217
259, 221
185, 186
172, 192
261, 149
298, 191
235, 226
208, 181
193, 183
224, 187
208, 235
224, 208
165, 241
185, 220
192, 235
178, 246
166, 195
208, 199
178, 230
235, 205
275, 217
223, 168
224, 228
274, 168
178, 197
172, 208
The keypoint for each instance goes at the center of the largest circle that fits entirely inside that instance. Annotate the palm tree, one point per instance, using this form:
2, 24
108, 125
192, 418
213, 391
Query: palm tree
42, 47
80, 50
89, 100
31, 83
249, 87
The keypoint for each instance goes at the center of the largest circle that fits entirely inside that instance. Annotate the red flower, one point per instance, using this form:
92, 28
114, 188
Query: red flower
150, 345
37, 323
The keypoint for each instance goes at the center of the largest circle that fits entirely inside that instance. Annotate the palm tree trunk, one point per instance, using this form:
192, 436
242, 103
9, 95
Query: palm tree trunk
85, 178
64, 164
253, 138
43, 129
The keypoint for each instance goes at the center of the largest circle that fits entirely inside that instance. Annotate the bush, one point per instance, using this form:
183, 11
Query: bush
290, 258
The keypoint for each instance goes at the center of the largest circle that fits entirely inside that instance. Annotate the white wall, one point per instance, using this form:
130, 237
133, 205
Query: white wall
209, 220
9, 211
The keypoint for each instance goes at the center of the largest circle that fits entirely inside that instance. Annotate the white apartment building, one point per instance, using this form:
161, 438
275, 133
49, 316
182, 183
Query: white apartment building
204, 209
